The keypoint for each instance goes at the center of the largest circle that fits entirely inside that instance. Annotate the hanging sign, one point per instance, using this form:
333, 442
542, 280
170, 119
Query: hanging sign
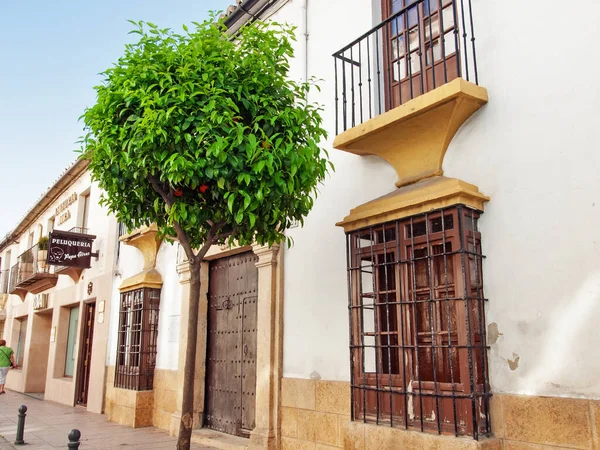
70, 249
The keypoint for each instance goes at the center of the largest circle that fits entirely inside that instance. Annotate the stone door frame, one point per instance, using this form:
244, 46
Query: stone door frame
269, 355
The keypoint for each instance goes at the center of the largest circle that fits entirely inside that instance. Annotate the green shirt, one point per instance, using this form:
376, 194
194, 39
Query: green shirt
5, 353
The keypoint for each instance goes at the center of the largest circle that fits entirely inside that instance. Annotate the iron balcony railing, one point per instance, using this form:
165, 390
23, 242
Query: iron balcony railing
4, 281
424, 45
30, 264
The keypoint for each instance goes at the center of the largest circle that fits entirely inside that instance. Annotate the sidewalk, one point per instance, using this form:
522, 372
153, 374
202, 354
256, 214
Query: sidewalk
48, 424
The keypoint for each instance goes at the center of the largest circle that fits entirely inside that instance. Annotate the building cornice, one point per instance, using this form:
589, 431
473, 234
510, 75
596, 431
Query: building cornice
69, 176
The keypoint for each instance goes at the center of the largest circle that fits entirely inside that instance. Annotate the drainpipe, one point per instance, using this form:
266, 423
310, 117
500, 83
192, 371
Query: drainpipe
304, 37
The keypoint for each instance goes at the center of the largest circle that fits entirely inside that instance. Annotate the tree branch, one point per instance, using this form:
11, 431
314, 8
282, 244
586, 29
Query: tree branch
181, 234
167, 197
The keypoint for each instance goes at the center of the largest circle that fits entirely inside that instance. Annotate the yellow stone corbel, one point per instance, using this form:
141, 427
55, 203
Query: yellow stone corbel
146, 240
414, 137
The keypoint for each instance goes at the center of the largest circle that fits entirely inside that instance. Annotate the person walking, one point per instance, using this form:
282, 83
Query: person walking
7, 361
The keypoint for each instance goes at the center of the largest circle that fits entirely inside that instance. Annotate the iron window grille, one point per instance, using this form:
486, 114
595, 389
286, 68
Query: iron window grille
137, 336
417, 327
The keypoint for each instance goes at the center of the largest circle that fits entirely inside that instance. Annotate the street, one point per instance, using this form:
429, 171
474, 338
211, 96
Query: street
47, 425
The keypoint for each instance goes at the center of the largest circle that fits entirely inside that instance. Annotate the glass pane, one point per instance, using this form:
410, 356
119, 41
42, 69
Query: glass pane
413, 38
413, 15
21, 342
390, 361
397, 24
415, 63
432, 26
449, 44
386, 275
448, 17
71, 341
421, 268
368, 320
369, 354
398, 48
443, 265
366, 278
396, 6
400, 69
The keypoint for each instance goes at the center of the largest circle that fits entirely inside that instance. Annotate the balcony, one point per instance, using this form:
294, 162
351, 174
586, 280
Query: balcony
404, 88
4, 281
31, 273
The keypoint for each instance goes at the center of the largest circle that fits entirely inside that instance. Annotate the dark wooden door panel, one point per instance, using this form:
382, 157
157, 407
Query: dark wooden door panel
231, 349
85, 357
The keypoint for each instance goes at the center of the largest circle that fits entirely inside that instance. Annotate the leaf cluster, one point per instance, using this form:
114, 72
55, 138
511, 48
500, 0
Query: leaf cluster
206, 136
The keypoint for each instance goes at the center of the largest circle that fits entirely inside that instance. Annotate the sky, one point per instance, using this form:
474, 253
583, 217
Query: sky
51, 53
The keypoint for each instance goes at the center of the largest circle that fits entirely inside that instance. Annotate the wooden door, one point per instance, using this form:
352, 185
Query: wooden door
231, 345
85, 357
415, 61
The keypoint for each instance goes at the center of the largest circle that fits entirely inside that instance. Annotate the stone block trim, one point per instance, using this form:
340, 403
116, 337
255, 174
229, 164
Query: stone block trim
165, 398
315, 414
142, 408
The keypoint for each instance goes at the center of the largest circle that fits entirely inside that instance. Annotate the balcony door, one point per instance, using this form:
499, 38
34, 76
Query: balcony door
415, 61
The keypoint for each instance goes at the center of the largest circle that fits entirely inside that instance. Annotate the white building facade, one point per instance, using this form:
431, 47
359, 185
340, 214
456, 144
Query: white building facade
55, 318
453, 305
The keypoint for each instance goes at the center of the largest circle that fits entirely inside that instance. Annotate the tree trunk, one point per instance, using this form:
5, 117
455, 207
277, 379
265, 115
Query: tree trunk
187, 407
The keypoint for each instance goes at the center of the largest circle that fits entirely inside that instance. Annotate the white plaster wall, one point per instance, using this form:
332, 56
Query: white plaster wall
130, 263
533, 149
67, 292
315, 290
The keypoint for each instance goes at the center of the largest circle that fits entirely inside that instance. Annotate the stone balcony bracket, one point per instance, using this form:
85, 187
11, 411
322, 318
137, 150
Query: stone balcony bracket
146, 240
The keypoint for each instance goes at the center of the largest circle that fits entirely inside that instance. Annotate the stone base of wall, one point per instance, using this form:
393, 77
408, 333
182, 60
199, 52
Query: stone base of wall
315, 415
126, 407
165, 398
142, 408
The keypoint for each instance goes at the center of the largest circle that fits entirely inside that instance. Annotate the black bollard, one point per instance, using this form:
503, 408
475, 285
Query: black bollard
21, 425
74, 436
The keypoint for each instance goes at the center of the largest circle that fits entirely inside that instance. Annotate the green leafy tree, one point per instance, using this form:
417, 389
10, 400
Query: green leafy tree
209, 139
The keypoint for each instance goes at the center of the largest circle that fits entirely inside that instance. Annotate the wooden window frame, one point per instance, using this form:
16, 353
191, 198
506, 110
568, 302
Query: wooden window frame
438, 72
137, 339
441, 323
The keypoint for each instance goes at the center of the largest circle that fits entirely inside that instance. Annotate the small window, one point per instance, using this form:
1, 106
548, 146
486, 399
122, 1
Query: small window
71, 341
417, 324
22, 324
85, 211
137, 337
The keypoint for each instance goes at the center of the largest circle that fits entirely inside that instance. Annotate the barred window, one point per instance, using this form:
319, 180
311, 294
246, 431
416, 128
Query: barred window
417, 324
136, 345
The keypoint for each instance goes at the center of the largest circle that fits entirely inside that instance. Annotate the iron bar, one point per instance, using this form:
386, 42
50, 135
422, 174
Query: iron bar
430, 396
376, 324
350, 321
431, 320
467, 322
473, 43
352, 90
449, 320
403, 335
360, 83
388, 328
